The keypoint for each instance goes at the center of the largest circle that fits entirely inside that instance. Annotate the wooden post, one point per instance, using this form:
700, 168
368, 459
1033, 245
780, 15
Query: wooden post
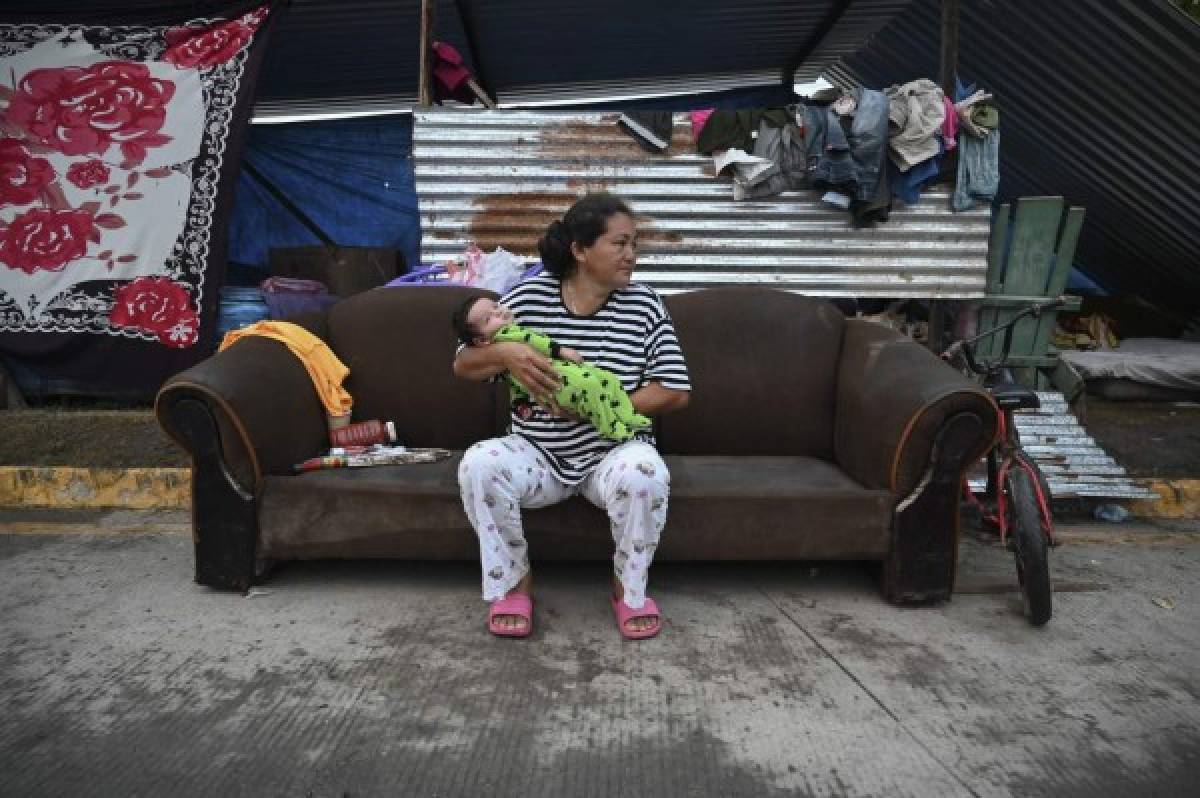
425, 89
949, 64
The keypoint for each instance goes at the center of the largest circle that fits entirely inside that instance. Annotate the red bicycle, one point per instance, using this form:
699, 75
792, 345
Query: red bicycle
1017, 497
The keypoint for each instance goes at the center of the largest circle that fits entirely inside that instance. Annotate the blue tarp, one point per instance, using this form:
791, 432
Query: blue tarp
353, 177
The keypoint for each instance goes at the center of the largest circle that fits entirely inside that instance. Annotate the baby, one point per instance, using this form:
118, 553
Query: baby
592, 393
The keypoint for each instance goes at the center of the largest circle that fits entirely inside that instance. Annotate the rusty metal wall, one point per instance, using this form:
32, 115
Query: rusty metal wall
499, 177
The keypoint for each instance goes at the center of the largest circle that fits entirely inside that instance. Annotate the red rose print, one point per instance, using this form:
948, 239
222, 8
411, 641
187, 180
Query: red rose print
46, 240
206, 47
22, 177
157, 305
86, 174
85, 110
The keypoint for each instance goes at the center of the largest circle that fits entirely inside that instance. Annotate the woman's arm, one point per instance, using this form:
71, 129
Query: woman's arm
652, 399
531, 369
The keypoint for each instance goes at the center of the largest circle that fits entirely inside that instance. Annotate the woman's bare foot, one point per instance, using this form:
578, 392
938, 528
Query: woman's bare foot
516, 623
633, 624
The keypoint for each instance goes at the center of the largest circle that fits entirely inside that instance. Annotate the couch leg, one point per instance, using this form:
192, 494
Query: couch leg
224, 515
924, 552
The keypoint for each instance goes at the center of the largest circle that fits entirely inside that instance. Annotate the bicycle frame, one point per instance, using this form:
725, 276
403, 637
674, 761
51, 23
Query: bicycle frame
1010, 452
1007, 450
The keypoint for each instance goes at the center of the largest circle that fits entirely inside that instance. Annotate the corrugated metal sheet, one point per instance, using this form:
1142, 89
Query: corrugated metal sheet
1098, 103
1074, 464
360, 56
658, 48
858, 23
499, 177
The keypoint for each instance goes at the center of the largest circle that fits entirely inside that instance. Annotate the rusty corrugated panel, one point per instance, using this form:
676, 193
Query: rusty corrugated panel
1098, 103
499, 177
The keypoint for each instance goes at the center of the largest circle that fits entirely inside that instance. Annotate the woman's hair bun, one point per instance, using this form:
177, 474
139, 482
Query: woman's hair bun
555, 249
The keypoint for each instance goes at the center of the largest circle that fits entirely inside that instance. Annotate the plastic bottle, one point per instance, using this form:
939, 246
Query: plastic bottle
364, 433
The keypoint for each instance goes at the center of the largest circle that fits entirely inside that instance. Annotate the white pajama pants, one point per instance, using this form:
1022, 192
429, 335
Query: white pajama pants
499, 476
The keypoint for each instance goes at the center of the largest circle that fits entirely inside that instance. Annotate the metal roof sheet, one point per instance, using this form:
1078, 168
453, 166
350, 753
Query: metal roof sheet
497, 178
1099, 103
360, 56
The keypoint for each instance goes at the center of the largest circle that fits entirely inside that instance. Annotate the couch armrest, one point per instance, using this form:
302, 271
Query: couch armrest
265, 412
893, 398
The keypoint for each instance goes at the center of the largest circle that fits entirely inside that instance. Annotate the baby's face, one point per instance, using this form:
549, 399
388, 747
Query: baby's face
486, 316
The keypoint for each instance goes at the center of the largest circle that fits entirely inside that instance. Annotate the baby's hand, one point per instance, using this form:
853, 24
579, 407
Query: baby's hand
567, 353
553, 408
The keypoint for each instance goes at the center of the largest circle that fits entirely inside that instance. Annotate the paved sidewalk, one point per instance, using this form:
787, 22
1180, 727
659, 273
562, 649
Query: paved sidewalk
119, 676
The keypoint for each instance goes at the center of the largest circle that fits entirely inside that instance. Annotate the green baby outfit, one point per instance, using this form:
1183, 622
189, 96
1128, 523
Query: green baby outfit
593, 393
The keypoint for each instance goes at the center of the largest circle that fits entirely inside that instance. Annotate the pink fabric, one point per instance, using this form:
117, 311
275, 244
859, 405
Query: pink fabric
448, 67
699, 120
950, 125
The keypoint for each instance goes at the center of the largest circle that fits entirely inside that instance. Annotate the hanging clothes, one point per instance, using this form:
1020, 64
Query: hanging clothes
868, 139
978, 176
736, 129
785, 148
699, 120
916, 112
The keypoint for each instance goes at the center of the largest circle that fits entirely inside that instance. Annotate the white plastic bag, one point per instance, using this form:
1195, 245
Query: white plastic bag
499, 271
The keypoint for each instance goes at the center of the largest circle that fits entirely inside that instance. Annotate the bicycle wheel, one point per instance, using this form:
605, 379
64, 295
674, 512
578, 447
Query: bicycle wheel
1029, 545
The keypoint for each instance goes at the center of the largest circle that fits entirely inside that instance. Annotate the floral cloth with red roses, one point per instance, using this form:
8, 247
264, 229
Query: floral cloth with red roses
111, 150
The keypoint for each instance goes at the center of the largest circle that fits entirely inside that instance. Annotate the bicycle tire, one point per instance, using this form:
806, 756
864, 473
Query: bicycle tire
1030, 547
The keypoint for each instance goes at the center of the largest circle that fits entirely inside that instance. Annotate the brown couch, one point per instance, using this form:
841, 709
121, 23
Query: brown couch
808, 436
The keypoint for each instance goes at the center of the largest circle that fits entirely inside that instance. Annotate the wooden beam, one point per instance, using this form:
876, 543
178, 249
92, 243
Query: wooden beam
949, 46
425, 89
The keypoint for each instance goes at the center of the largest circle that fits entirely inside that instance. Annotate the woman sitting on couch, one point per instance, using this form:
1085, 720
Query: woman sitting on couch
585, 300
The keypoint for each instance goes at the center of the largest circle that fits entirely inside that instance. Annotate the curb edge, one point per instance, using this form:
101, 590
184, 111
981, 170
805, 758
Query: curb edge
70, 487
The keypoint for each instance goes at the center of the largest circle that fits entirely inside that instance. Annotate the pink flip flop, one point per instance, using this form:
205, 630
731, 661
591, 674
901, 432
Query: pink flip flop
514, 603
625, 614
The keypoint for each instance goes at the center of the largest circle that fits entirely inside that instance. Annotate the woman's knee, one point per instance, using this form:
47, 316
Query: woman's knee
482, 462
645, 476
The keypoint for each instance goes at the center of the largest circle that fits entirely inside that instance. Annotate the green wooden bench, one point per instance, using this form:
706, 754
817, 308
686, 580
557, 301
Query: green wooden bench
1029, 259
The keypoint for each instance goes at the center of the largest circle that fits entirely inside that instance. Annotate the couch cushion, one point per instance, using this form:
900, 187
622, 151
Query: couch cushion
399, 347
721, 508
763, 367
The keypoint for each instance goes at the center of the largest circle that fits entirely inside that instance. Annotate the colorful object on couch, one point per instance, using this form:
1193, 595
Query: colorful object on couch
323, 366
364, 433
377, 455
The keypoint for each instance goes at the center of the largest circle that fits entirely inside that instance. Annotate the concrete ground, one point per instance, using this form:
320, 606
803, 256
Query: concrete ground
120, 676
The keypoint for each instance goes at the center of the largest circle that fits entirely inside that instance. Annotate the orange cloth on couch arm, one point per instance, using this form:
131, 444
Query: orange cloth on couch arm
323, 366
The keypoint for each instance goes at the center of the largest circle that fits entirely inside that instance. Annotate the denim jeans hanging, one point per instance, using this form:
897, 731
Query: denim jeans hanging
978, 170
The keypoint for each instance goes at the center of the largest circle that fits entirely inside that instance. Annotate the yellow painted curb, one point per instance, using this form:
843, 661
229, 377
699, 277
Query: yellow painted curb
63, 487
1177, 498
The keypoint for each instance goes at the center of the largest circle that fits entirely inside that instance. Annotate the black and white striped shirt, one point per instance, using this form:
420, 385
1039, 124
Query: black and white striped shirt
631, 335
